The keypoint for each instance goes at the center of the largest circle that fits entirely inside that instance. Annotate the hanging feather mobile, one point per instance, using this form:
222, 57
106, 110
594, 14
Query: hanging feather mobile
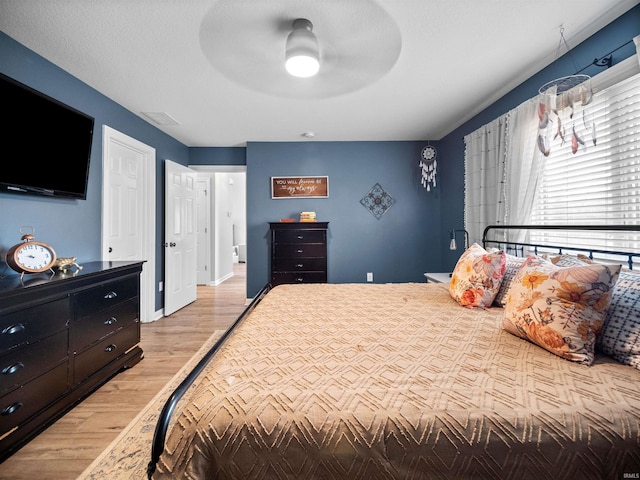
562, 101
429, 166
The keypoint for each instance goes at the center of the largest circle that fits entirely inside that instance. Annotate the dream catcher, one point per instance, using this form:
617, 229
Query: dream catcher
429, 166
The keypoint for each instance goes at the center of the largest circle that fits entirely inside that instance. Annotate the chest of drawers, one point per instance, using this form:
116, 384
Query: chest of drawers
61, 337
298, 252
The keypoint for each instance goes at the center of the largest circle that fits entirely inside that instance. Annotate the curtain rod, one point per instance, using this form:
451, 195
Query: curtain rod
606, 58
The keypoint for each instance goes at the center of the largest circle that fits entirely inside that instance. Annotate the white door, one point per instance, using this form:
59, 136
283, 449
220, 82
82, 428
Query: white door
180, 237
128, 209
204, 230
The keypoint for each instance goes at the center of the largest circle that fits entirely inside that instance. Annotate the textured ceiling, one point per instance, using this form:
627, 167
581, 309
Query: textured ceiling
390, 69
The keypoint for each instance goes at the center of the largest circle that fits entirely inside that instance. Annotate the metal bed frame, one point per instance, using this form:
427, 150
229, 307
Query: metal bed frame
489, 237
491, 234
159, 437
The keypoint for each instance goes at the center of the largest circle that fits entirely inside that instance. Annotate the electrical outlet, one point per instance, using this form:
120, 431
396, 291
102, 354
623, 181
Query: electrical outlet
160, 286
369, 276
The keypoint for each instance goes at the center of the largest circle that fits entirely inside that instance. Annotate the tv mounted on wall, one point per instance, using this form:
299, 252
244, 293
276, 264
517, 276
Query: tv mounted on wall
50, 144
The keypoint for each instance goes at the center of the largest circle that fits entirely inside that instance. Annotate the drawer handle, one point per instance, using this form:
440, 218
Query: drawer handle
13, 368
300, 237
110, 348
110, 295
9, 409
13, 329
300, 280
110, 321
299, 265
300, 250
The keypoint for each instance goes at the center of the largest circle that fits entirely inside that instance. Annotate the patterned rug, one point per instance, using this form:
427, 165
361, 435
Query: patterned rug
128, 455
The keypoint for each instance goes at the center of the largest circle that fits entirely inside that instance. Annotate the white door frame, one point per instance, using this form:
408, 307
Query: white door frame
148, 224
203, 207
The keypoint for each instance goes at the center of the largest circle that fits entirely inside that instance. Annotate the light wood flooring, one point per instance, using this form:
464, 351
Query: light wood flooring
68, 446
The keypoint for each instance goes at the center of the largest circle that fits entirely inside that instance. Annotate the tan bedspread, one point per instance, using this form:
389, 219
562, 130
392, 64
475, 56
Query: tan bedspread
364, 381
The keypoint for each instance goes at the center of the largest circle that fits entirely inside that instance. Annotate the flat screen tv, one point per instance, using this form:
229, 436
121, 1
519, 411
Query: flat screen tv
46, 145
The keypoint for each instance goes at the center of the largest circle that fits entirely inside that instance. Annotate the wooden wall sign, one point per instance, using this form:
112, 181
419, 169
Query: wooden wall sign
299, 187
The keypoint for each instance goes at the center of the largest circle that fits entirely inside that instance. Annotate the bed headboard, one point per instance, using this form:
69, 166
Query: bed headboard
504, 237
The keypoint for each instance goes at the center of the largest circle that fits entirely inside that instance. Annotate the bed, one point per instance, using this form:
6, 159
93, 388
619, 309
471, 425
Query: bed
350, 381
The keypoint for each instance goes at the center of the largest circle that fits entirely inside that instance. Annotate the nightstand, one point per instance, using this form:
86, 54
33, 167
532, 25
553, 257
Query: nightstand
440, 277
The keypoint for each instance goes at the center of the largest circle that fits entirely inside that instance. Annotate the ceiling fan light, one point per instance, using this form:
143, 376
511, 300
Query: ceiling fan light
302, 66
302, 53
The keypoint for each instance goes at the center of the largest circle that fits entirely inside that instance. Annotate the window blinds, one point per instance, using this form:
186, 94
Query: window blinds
600, 184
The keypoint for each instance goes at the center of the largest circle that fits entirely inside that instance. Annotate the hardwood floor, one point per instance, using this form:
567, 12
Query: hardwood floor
68, 446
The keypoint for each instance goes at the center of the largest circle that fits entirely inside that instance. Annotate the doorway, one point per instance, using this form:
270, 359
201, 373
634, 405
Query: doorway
222, 230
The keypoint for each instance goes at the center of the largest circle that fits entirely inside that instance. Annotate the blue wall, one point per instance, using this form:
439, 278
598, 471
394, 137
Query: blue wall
409, 239
73, 227
619, 32
217, 156
399, 247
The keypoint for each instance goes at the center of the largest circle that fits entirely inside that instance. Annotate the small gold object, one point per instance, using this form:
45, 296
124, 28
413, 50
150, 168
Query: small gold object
66, 263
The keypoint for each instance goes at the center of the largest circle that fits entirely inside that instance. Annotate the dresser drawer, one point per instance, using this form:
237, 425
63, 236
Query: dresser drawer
87, 330
298, 277
33, 324
299, 264
28, 362
110, 348
105, 296
302, 250
299, 236
19, 405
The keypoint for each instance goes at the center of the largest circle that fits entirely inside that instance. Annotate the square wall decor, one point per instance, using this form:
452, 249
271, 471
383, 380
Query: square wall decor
377, 201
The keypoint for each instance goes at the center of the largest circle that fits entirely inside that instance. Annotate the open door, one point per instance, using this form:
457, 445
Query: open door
180, 272
129, 209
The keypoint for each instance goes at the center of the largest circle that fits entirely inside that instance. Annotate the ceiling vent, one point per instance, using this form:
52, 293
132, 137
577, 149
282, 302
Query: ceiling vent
160, 118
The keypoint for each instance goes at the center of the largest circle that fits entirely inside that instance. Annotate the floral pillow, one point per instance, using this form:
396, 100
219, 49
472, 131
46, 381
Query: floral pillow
476, 279
561, 309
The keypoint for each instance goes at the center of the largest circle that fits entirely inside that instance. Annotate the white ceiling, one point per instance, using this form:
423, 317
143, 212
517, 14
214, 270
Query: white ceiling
390, 69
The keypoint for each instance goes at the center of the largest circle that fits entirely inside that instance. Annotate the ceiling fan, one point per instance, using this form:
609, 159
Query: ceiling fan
245, 41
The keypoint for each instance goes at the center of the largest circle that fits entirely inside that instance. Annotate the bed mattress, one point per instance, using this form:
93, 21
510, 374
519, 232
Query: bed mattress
362, 381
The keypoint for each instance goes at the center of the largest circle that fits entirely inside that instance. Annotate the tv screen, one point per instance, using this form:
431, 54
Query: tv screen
46, 145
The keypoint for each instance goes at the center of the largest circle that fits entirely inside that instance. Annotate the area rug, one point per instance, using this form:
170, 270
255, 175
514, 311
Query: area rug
128, 455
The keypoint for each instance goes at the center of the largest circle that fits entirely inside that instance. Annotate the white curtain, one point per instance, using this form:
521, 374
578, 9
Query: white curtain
524, 163
502, 168
484, 166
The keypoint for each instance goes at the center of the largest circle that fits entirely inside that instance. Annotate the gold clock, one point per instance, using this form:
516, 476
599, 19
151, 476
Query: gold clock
30, 256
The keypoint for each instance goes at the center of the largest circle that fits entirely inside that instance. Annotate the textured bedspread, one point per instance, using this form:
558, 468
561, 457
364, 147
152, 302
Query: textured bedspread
369, 381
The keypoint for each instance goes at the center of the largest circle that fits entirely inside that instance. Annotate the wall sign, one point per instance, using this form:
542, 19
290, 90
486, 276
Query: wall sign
299, 187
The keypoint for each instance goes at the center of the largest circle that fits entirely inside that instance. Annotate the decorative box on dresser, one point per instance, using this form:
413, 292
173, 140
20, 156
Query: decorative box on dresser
298, 252
61, 337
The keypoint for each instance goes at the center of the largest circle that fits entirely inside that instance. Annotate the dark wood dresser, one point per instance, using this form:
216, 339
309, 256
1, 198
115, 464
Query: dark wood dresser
61, 337
298, 252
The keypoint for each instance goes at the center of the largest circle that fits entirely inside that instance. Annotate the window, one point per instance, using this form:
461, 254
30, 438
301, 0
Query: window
600, 183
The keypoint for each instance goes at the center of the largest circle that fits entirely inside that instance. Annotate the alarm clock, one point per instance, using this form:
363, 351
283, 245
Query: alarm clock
31, 256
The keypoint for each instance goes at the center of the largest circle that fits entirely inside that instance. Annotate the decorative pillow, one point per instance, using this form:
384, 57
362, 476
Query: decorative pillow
561, 309
476, 279
566, 260
585, 258
513, 265
620, 336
